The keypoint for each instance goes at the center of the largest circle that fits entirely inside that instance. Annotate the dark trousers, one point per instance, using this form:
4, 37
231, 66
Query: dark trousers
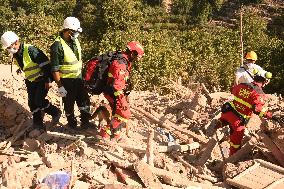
37, 102
76, 93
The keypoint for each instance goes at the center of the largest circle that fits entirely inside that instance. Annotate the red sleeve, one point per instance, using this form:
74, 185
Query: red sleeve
260, 105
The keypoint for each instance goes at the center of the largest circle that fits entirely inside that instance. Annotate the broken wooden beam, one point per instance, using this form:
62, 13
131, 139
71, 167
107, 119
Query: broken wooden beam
185, 163
65, 136
273, 148
162, 149
150, 148
169, 125
145, 173
171, 178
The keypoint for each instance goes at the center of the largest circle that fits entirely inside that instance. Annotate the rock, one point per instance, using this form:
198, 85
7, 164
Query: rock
81, 185
10, 111
191, 114
53, 160
198, 102
31, 144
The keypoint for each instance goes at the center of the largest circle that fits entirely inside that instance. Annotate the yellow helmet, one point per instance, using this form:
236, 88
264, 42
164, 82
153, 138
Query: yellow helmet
251, 56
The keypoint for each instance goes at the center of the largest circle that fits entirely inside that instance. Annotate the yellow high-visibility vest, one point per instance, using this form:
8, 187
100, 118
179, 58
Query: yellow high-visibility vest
31, 69
71, 67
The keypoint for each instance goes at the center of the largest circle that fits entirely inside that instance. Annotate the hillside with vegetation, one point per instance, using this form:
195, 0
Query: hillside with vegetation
190, 40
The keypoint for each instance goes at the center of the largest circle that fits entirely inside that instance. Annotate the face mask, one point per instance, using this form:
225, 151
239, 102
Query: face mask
75, 36
12, 50
250, 66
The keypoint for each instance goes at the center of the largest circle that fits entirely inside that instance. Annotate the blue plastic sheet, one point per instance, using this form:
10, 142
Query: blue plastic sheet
57, 180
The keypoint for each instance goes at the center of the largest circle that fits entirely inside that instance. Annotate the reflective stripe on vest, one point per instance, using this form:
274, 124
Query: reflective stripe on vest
244, 116
71, 67
32, 70
242, 102
120, 118
234, 145
117, 93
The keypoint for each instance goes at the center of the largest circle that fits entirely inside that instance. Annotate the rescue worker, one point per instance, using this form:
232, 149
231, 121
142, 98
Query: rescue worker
248, 98
246, 72
117, 91
36, 67
66, 67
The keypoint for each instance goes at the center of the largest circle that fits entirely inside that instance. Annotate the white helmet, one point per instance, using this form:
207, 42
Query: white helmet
72, 23
8, 38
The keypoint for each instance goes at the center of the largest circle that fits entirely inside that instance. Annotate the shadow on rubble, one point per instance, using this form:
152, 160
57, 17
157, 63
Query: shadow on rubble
13, 117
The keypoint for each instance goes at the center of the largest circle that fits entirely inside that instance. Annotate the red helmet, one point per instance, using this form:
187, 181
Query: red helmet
136, 46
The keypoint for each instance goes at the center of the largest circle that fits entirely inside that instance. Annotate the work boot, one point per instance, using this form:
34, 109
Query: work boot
55, 118
72, 122
38, 120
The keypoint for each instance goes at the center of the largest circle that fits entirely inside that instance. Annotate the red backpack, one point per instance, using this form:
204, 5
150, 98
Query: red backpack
96, 71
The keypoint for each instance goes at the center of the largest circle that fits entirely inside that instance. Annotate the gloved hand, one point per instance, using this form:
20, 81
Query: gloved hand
61, 92
278, 118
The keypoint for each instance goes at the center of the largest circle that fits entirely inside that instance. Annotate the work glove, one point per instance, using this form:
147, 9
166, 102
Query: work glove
278, 118
61, 92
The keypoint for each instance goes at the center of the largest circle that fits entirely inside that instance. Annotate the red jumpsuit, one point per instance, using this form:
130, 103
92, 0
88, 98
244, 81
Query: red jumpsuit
248, 98
117, 77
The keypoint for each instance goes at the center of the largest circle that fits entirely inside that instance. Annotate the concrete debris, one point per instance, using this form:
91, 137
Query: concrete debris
172, 132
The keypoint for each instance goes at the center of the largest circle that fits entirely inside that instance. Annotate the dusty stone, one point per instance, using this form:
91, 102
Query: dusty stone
191, 114
19, 118
254, 123
54, 160
3, 158
199, 101
31, 145
81, 185
10, 112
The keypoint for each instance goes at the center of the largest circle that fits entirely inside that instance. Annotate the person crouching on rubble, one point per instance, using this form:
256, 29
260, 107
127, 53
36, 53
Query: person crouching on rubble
36, 67
248, 98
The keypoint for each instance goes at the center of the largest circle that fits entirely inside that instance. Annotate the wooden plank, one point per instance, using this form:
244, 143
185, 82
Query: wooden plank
150, 148
259, 176
146, 175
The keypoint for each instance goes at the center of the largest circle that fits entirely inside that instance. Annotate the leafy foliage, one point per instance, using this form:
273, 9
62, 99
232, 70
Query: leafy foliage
179, 44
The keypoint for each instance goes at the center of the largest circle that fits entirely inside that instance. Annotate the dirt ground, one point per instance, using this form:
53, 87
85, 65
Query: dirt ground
176, 155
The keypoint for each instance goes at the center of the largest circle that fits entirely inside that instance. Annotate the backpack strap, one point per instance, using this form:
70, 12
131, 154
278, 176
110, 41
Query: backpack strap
254, 87
247, 72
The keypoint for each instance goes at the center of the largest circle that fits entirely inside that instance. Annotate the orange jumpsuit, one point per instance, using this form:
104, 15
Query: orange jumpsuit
248, 98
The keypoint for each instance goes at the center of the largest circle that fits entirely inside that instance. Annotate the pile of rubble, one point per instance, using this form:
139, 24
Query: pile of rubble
166, 147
